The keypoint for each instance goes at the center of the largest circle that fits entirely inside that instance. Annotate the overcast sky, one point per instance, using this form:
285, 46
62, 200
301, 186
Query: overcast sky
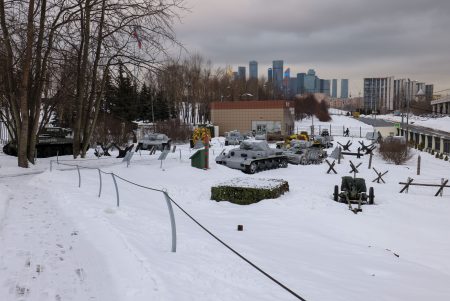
338, 38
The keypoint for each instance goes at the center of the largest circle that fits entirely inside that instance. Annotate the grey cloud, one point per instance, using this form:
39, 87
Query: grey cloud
348, 36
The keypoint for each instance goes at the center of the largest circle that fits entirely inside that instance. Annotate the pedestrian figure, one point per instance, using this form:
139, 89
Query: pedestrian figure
347, 133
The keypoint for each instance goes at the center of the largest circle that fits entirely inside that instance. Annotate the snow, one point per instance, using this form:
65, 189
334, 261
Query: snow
252, 183
85, 248
438, 123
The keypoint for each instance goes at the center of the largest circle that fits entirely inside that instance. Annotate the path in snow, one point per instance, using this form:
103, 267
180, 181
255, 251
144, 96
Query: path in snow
42, 256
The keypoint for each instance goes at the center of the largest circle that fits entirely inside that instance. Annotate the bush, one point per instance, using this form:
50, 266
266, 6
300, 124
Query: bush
248, 195
394, 151
432, 152
437, 155
446, 158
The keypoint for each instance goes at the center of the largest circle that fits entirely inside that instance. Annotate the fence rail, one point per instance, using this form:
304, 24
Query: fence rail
335, 130
115, 177
169, 202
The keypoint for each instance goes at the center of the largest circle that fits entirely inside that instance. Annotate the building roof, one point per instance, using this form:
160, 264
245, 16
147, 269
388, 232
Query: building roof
251, 104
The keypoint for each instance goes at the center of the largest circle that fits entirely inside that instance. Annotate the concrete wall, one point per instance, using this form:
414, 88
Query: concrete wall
386, 131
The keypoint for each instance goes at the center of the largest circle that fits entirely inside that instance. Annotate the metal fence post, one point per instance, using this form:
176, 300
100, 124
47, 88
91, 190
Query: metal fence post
117, 189
172, 222
79, 176
360, 134
100, 178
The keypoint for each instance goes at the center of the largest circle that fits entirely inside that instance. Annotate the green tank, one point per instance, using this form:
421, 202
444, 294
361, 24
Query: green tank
51, 142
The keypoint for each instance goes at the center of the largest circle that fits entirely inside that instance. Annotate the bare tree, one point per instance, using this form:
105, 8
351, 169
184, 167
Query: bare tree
37, 37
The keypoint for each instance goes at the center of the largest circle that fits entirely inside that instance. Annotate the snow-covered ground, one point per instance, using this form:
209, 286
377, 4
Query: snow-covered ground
61, 242
438, 123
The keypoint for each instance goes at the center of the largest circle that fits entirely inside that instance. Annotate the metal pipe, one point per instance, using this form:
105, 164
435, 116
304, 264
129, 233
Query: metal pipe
100, 178
172, 222
79, 176
117, 189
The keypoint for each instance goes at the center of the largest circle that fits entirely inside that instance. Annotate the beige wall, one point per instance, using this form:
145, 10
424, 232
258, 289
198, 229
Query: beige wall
385, 131
241, 119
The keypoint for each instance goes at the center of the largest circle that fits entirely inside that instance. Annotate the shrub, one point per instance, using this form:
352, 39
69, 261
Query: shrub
394, 151
437, 155
446, 158
432, 152
248, 195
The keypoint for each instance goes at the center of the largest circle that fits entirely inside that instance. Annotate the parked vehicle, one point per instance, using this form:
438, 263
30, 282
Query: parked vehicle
253, 156
233, 138
154, 140
51, 142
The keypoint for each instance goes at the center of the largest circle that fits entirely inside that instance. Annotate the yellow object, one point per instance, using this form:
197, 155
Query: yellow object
201, 134
356, 114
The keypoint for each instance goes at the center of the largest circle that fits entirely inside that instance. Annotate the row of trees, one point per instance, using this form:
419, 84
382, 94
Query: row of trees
61, 53
81, 63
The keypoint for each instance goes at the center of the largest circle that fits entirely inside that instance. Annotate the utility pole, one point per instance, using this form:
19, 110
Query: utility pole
407, 115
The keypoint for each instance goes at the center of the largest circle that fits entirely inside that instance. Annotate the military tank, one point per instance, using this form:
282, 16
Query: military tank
51, 142
252, 156
154, 140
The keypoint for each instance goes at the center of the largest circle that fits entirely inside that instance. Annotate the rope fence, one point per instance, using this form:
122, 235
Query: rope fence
169, 202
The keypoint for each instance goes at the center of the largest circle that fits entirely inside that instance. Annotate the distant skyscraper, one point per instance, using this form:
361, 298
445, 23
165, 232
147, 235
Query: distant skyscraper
325, 86
334, 89
379, 94
277, 74
269, 75
235, 75
344, 88
301, 83
241, 72
292, 87
310, 81
286, 79
253, 70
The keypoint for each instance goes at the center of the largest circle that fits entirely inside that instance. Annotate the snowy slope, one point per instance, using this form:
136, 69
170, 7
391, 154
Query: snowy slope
438, 123
316, 247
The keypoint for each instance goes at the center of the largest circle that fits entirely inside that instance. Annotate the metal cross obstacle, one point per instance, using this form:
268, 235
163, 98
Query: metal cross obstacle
331, 166
346, 146
409, 183
354, 168
379, 176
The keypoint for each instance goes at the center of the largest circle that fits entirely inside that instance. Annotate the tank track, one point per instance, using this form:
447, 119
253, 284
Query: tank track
258, 165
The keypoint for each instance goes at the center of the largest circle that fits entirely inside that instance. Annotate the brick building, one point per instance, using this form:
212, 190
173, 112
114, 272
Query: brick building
273, 116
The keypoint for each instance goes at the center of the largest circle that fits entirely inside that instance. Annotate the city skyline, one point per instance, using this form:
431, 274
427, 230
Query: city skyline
403, 38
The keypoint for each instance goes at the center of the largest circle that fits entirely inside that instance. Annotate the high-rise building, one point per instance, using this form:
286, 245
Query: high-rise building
286, 79
292, 87
301, 83
310, 81
241, 72
235, 75
379, 94
334, 88
325, 86
344, 88
253, 70
269, 74
429, 90
277, 69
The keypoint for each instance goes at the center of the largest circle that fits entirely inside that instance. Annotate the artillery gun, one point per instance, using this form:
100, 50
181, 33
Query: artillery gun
251, 157
51, 141
353, 190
